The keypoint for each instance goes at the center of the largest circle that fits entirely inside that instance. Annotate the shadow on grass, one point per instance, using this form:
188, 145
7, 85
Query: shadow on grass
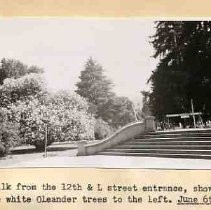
34, 150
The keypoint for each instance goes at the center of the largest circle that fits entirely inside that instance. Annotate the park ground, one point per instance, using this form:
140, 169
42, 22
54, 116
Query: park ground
66, 157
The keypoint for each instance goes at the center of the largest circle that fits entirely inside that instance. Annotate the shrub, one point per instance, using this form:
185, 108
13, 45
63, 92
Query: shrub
63, 115
102, 129
2, 150
36, 112
8, 133
13, 90
9, 136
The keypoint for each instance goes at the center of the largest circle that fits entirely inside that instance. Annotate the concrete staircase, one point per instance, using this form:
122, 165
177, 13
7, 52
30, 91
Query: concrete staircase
192, 143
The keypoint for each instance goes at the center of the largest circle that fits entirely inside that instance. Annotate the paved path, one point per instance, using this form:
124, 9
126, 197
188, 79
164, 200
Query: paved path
68, 159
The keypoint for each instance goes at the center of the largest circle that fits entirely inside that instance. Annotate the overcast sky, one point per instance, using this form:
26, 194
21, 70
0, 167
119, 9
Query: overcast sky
61, 46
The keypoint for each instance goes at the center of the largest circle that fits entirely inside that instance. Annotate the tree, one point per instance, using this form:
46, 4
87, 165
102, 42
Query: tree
30, 111
102, 129
105, 105
183, 72
119, 111
11, 68
94, 87
18, 82
63, 116
22, 89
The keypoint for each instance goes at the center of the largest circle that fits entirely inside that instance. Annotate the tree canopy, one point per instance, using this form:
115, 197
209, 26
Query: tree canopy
184, 69
28, 110
105, 104
93, 85
11, 68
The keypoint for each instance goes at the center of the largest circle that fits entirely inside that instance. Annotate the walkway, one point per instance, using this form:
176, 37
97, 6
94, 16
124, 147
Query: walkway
101, 161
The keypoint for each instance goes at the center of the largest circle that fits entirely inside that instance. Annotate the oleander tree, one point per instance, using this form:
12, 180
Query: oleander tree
30, 112
29, 86
17, 84
63, 116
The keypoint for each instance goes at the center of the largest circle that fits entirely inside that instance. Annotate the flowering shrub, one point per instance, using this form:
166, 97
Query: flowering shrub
68, 101
13, 90
38, 114
62, 116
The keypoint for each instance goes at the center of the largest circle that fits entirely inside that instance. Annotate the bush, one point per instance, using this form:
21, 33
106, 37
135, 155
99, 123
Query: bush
2, 150
13, 90
102, 129
35, 111
64, 116
9, 136
8, 133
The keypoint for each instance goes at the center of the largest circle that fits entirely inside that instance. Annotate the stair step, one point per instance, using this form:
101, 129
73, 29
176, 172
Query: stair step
204, 147
193, 138
174, 135
162, 150
182, 131
166, 143
172, 144
191, 156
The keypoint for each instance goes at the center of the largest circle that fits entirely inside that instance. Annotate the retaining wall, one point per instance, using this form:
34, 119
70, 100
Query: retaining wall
126, 133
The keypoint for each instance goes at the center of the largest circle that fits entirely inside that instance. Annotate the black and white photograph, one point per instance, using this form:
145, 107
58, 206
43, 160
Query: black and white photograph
105, 92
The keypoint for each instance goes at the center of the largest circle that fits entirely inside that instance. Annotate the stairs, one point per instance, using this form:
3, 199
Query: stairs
193, 143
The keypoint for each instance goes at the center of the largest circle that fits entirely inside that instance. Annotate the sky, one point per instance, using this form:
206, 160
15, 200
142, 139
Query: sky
61, 46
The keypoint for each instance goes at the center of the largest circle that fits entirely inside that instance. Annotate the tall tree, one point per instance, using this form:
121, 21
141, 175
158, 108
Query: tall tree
183, 73
97, 89
94, 86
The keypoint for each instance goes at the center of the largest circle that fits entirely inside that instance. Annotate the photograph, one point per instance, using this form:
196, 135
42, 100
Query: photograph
105, 93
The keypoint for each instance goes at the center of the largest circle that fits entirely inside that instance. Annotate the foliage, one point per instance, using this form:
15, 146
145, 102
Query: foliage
94, 86
13, 90
32, 113
56, 115
102, 129
8, 133
11, 68
18, 83
69, 101
104, 104
2, 150
119, 112
183, 73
